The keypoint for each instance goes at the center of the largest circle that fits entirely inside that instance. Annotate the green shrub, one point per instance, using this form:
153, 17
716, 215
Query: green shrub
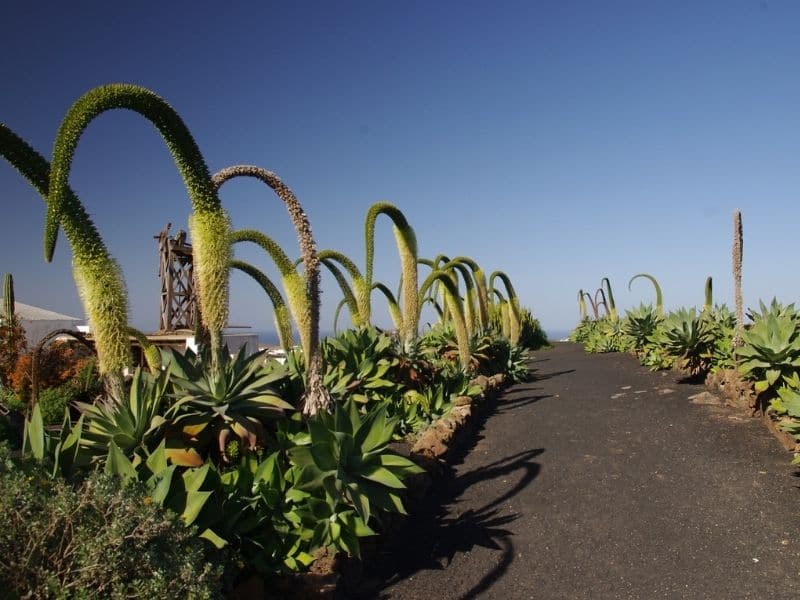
95, 540
53, 401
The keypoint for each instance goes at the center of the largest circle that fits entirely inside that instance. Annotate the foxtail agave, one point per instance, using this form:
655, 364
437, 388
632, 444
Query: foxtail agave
513, 304
659, 297
209, 223
303, 292
97, 275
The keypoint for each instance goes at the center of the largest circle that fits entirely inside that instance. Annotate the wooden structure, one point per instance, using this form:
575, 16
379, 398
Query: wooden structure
178, 300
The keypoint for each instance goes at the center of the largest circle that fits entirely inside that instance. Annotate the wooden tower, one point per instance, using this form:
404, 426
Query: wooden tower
178, 300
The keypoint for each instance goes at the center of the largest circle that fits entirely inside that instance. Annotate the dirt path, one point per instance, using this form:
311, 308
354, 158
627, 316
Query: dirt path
601, 480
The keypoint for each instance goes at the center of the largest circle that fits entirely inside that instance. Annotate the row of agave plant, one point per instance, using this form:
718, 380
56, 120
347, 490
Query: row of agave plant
764, 351
268, 462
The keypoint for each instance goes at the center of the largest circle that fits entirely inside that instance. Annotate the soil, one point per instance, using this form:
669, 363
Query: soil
599, 479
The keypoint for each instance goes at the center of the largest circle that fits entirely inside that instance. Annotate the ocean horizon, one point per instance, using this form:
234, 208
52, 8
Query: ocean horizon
270, 338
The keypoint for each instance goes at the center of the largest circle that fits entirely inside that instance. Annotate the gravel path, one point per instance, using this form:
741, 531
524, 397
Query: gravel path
600, 479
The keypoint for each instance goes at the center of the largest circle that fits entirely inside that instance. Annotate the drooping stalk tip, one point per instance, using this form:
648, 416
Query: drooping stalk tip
303, 289
406, 241
209, 223
513, 302
659, 297
283, 325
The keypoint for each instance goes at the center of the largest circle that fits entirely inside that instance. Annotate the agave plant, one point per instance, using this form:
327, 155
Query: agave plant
688, 337
212, 404
360, 364
770, 351
348, 461
209, 223
640, 324
133, 423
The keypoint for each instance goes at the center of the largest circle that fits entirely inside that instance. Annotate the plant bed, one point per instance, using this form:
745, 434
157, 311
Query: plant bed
436, 447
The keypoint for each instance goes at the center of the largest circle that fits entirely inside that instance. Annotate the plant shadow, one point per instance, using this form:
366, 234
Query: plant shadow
437, 531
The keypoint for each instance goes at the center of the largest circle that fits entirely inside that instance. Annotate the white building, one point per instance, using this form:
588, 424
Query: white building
38, 322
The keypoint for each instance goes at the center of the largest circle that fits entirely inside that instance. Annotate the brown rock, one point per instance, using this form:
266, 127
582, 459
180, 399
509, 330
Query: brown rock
462, 401
706, 398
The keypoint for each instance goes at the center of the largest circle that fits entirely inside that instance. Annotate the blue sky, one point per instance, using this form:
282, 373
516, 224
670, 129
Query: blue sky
559, 141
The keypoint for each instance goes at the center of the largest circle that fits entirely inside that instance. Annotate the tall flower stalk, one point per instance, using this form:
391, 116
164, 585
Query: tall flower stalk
302, 291
513, 305
283, 325
659, 297
407, 248
456, 311
209, 223
738, 248
97, 275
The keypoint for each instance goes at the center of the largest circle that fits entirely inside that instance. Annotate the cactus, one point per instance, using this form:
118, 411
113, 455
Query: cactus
8, 298
581, 305
659, 298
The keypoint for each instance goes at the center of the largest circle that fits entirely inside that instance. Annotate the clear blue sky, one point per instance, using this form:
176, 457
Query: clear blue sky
559, 141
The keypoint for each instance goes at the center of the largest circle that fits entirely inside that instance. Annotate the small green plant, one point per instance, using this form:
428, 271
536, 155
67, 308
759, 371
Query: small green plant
100, 539
349, 474
770, 351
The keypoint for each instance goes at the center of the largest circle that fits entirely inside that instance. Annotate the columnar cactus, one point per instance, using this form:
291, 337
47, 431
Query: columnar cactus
8, 298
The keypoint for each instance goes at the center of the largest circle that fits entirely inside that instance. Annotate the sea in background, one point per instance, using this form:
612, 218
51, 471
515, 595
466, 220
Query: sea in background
269, 338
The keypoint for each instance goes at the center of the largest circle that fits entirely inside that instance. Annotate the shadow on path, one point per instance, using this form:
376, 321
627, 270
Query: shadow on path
437, 531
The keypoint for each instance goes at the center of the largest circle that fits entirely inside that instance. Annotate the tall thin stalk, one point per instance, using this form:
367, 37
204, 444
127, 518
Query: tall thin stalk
513, 302
407, 248
456, 311
209, 223
97, 275
738, 249
659, 297
316, 397
283, 325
